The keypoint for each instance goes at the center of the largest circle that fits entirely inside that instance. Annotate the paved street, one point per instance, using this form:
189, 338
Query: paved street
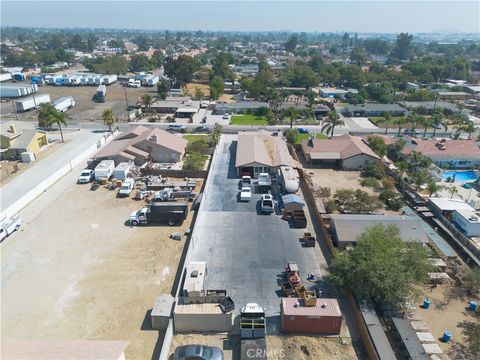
77, 142
244, 250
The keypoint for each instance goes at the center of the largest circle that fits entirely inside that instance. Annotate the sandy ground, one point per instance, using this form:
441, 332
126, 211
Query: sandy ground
191, 87
76, 271
338, 179
448, 311
309, 347
85, 109
278, 347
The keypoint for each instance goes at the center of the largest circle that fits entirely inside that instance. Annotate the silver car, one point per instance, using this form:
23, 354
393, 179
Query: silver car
198, 352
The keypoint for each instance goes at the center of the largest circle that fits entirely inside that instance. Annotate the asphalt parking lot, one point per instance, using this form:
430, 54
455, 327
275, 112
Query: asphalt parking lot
245, 252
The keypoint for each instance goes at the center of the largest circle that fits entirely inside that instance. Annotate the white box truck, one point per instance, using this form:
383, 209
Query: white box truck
152, 80
32, 102
10, 92
64, 103
5, 77
104, 170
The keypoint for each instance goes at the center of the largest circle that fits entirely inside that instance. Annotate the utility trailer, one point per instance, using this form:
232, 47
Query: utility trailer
64, 103
252, 332
31, 102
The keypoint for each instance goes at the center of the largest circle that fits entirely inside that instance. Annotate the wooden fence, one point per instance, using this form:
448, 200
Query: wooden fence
310, 198
176, 173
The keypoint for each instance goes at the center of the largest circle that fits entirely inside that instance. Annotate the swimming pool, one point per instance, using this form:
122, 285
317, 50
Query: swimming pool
460, 175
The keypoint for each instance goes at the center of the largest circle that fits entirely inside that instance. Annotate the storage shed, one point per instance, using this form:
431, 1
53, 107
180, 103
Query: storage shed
161, 311
202, 318
195, 279
323, 318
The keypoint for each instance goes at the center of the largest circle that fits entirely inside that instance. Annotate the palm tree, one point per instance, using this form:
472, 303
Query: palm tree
433, 188
292, 113
426, 123
452, 190
414, 119
467, 126
49, 115
400, 121
332, 121
386, 120
420, 178
147, 101
109, 118
438, 119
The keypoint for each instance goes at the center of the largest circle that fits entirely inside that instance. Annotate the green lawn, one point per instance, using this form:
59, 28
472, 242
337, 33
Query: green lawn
301, 137
248, 120
191, 138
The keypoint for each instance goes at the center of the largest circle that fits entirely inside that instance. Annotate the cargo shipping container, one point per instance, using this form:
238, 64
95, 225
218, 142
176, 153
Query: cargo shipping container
202, 318
324, 317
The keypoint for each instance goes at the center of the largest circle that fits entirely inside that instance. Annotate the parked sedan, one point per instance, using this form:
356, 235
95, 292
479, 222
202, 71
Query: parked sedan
303, 131
198, 352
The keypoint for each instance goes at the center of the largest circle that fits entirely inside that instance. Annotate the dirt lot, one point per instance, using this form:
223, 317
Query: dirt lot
309, 347
448, 311
338, 179
77, 271
278, 347
85, 109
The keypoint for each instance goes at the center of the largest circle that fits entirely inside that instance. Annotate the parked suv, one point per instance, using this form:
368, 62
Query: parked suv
176, 128
85, 177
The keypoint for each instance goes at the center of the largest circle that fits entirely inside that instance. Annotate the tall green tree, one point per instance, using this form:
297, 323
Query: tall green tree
217, 87
48, 116
292, 113
387, 119
400, 121
438, 119
382, 266
215, 134
333, 120
109, 118
403, 46
291, 43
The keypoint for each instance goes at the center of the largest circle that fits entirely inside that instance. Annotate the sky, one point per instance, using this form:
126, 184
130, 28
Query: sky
311, 16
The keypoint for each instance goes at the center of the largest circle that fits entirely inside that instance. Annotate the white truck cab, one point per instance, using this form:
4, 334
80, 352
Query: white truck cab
8, 226
126, 188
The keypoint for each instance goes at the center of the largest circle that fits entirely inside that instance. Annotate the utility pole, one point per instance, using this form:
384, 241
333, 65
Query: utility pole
126, 102
34, 101
15, 110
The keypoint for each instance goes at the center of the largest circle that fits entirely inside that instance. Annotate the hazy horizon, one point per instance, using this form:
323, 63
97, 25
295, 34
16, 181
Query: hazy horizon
248, 16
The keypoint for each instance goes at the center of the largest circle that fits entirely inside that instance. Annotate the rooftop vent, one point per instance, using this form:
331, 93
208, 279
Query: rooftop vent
324, 305
473, 218
194, 274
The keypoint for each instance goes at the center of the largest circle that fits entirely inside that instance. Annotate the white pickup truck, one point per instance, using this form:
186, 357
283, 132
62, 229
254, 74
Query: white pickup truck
9, 226
126, 187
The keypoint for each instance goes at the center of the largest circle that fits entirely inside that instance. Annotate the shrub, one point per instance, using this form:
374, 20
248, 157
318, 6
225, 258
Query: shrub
201, 146
369, 182
330, 206
195, 161
291, 135
387, 194
152, 119
170, 119
388, 183
323, 192
263, 111
395, 204
374, 169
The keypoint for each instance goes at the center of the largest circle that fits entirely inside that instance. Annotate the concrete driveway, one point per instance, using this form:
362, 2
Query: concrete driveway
245, 251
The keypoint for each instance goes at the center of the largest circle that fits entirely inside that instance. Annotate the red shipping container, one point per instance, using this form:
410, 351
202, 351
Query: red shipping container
323, 318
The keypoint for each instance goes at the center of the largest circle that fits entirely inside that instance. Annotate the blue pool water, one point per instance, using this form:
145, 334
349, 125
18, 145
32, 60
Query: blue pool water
460, 175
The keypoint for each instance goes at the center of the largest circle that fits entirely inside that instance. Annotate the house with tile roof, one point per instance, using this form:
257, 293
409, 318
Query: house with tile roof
347, 152
453, 154
142, 144
259, 152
